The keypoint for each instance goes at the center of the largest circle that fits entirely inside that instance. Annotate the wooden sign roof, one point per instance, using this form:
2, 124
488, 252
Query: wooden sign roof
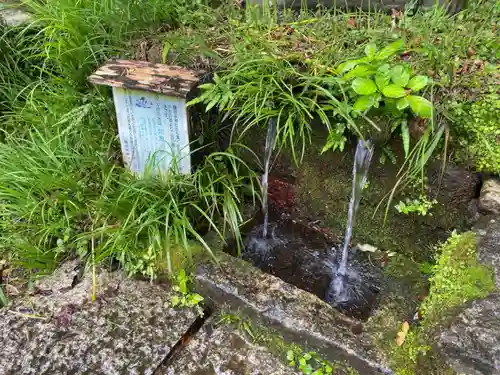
141, 75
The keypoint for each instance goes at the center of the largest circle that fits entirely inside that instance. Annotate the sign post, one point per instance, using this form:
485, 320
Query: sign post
150, 104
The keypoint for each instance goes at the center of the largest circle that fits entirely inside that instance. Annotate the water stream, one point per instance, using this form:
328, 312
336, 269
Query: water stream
362, 159
270, 139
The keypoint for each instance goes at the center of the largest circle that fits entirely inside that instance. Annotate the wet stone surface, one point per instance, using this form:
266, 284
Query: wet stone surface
128, 329
297, 315
223, 350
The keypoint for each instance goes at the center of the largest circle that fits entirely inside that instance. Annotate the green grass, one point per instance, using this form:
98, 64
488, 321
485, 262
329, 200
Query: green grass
63, 189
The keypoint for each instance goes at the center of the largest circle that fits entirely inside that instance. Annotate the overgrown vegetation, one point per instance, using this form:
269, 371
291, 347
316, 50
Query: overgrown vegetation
63, 189
456, 278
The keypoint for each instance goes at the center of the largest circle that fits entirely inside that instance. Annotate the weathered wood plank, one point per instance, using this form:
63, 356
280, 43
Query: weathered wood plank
141, 75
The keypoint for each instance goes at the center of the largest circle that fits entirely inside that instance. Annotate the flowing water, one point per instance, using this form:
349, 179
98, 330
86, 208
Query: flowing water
270, 139
305, 256
362, 159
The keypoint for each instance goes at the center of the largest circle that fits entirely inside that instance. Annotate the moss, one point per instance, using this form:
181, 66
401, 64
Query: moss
456, 278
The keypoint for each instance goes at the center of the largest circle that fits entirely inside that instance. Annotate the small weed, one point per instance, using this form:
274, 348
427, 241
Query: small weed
420, 206
183, 296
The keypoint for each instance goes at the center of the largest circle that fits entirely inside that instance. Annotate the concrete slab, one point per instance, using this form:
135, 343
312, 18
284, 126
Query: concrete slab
224, 351
128, 329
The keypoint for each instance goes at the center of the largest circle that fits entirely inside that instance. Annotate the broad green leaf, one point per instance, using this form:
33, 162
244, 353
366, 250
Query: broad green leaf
371, 50
405, 135
382, 80
421, 106
417, 83
290, 355
346, 66
394, 91
175, 301
390, 50
400, 75
318, 372
360, 71
383, 76
402, 103
364, 102
364, 86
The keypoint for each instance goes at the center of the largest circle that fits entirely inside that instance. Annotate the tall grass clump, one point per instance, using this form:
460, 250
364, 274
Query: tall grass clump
64, 191
59, 199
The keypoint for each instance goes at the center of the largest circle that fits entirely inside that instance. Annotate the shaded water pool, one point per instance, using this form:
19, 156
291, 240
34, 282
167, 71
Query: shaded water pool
308, 258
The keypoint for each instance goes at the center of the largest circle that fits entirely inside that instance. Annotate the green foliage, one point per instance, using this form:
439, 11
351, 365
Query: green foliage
63, 189
377, 81
456, 278
420, 206
183, 297
309, 363
477, 127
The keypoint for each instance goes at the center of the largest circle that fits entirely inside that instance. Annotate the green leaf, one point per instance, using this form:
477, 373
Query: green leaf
421, 106
402, 103
394, 91
318, 372
364, 86
371, 50
360, 71
175, 301
390, 50
307, 356
306, 369
417, 83
400, 75
383, 76
364, 102
346, 66
196, 298
382, 81
405, 135
290, 355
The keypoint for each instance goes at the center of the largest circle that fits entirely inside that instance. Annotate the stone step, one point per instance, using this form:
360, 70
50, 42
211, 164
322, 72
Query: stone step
128, 329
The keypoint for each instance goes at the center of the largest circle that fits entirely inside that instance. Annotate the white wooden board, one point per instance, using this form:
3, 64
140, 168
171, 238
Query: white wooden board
153, 130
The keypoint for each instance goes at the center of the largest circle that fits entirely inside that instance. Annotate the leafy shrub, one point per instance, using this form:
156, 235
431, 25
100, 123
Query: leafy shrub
421, 206
477, 126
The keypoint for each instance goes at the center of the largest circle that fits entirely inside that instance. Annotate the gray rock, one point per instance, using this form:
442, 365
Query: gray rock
489, 202
13, 16
298, 315
224, 351
128, 329
488, 245
471, 345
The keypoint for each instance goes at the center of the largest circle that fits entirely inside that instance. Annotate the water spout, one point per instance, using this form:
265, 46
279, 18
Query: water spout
362, 159
270, 139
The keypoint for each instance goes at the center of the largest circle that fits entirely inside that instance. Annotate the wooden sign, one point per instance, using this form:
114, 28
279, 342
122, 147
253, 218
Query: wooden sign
150, 104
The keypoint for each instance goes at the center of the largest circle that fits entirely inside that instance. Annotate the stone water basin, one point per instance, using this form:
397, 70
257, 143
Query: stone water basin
283, 283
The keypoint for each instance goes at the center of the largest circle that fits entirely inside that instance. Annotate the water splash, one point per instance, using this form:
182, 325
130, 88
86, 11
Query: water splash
270, 139
362, 159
